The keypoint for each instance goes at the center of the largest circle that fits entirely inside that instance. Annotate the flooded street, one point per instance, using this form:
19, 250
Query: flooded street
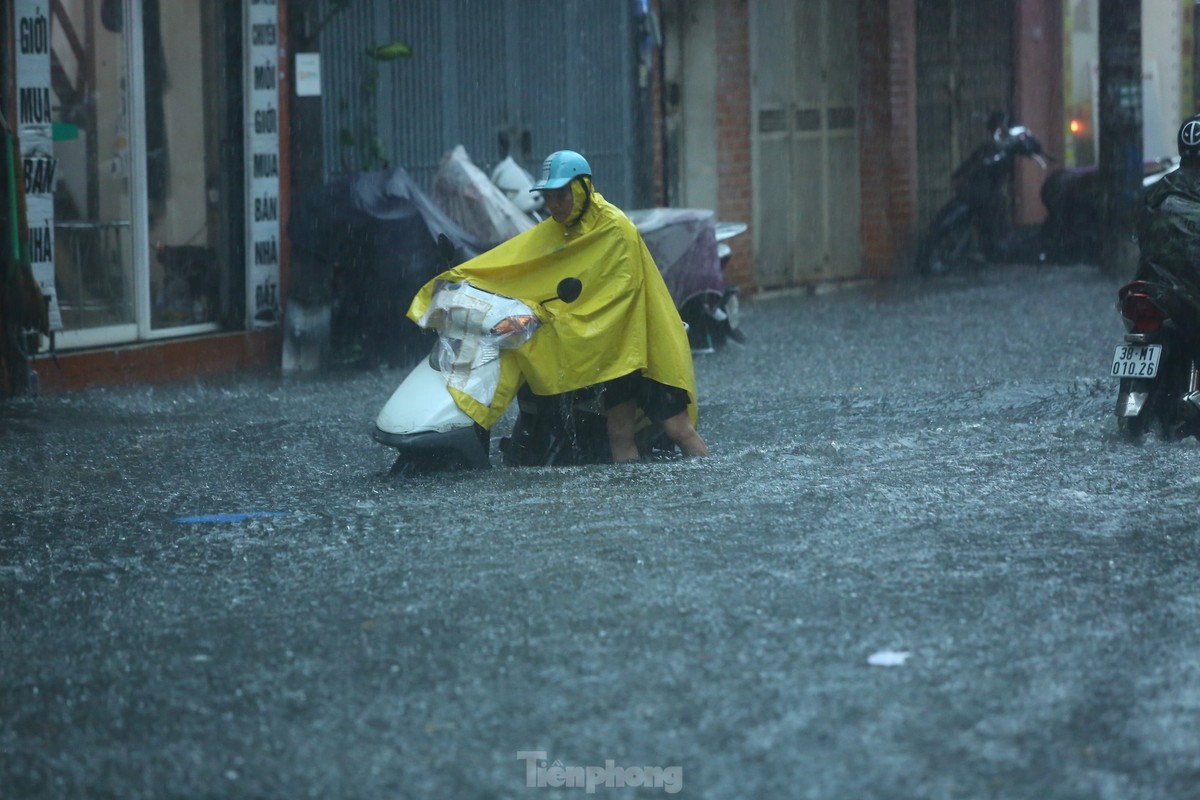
920, 563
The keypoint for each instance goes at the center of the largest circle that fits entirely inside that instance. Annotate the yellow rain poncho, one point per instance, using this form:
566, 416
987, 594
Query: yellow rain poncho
624, 320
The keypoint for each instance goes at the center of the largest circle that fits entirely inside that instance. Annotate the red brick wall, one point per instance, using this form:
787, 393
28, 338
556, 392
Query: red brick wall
735, 193
887, 134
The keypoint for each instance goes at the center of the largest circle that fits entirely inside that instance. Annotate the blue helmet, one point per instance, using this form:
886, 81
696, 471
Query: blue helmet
560, 168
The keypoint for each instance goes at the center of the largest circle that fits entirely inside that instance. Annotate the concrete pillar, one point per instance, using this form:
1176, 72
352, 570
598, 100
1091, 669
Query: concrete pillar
1120, 130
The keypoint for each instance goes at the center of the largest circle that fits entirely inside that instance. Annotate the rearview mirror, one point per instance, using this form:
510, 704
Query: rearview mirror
569, 289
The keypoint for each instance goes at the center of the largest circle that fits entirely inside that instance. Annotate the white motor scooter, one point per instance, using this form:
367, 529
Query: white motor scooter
421, 419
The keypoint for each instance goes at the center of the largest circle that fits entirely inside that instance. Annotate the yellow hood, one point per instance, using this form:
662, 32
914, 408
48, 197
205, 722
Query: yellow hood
624, 320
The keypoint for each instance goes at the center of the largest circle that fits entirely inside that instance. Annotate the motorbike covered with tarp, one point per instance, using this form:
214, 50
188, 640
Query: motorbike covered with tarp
362, 246
470, 198
683, 242
685, 245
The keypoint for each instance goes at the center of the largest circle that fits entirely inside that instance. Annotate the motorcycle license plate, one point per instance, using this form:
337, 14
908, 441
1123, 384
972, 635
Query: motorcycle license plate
1136, 360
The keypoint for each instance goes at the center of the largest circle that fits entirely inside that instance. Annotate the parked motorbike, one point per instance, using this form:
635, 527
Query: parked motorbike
362, 245
1158, 363
688, 246
728, 326
973, 225
476, 202
1072, 232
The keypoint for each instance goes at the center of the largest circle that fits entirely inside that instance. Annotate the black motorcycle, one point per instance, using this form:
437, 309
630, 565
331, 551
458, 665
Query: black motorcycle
974, 224
1074, 201
1157, 362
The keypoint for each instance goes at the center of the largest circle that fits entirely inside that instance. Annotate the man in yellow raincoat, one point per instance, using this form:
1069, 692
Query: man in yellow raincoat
623, 331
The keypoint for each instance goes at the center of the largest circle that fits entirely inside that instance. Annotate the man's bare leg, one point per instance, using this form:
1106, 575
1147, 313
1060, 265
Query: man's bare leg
680, 430
621, 439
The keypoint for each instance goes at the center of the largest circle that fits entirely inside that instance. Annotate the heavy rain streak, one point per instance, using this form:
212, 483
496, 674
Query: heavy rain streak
921, 562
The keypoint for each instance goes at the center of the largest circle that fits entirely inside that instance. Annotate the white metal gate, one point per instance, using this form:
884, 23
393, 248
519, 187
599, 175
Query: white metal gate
805, 141
480, 69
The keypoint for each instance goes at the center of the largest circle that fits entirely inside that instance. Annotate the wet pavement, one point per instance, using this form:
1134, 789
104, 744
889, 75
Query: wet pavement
920, 564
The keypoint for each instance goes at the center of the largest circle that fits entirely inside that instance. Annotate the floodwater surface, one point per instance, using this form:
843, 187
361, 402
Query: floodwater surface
920, 563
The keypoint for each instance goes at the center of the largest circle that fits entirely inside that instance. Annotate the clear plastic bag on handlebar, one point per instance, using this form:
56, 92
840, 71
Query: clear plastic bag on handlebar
471, 335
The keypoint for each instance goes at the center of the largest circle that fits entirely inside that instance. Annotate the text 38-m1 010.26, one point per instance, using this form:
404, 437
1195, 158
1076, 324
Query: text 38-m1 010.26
1136, 361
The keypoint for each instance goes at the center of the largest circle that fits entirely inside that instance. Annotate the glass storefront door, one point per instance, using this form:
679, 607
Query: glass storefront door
93, 205
142, 92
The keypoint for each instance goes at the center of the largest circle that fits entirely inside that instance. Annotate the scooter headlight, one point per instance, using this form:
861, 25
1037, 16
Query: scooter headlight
521, 323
